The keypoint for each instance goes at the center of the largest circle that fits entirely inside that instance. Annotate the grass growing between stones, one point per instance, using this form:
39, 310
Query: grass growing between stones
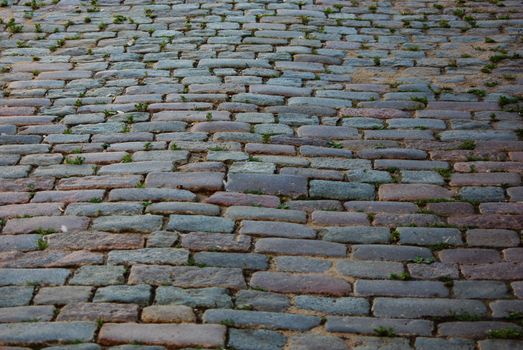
505, 333
385, 332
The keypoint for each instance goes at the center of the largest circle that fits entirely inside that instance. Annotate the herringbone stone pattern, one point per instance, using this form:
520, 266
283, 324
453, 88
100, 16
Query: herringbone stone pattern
261, 174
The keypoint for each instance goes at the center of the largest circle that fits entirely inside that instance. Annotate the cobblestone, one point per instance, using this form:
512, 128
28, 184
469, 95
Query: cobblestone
212, 297
261, 339
62, 295
16, 296
269, 320
260, 175
168, 314
140, 294
262, 301
107, 312
169, 334
34, 333
369, 324
305, 283
313, 341
413, 308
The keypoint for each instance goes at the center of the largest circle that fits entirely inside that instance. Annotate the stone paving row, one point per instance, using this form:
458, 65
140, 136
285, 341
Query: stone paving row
261, 174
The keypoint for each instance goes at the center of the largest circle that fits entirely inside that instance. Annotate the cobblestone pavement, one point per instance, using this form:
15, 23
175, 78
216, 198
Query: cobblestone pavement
261, 175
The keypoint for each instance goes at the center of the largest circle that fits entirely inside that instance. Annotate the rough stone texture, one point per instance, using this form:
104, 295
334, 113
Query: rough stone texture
187, 277
299, 247
199, 223
288, 185
186, 335
259, 339
369, 324
26, 314
168, 314
33, 276
475, 330
413, 308
98, 275
304, 283
98, 311
499, 344
313, 341
15, 296
167, 256
336, 306
270, 320
442, 344
279, 229
262, 301
412, 192
62, 295
140, 294
212, 297
307, 173
34, 333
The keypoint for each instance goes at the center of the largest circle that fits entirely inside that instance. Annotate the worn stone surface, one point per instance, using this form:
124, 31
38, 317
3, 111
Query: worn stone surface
34, 333
168, 314
106, 312
186, 335
336, 306
15, 296
289, 185
369, 324
419, 307
139, 294
26, 313
98, 275
311, 174
305, 283
62, 295
187, 276
212, 297
271, 320
259, 339
12, 276
167, 256
262, 301
314, 341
